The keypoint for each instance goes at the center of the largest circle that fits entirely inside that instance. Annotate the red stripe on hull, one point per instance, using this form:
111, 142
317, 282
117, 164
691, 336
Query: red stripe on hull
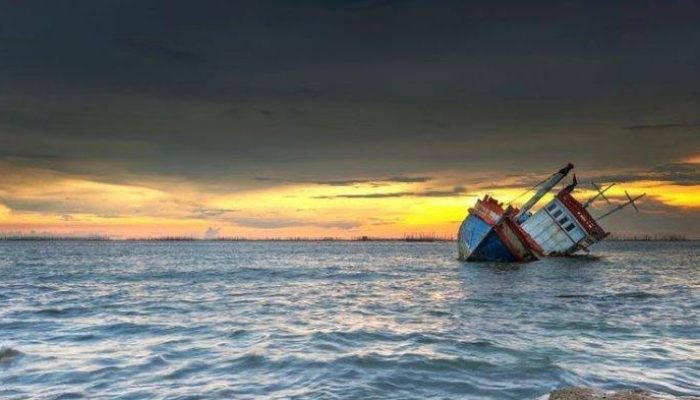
584, 218
518, 242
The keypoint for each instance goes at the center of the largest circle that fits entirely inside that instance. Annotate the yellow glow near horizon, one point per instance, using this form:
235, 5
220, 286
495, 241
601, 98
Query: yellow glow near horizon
670, 194
692, 159
77, 205
4, 212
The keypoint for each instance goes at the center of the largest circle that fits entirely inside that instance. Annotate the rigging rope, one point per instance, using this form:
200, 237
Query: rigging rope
530, 189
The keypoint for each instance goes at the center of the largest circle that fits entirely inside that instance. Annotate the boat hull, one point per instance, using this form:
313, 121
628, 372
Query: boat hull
471, 233
492, 248
490, 234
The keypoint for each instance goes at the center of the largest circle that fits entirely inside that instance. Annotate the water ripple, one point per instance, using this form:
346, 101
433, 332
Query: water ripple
341, 320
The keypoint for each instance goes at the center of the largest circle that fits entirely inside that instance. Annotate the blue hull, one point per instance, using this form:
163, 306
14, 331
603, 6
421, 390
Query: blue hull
492, 248
477, 241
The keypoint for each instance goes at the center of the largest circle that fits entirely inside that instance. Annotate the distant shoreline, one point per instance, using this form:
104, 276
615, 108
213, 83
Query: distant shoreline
408, 239
648, 238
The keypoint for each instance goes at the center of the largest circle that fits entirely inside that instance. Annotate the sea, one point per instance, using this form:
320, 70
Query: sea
342, 320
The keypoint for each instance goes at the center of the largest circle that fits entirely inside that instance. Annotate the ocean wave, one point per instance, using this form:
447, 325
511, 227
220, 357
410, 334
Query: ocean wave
69, 396
610, 296
634, 295
415, 362
574, 296
65, 312
350, 337
8, 354
129, 328
277, 321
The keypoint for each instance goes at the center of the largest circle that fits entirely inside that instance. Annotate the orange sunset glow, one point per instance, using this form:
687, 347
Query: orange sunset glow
64, 204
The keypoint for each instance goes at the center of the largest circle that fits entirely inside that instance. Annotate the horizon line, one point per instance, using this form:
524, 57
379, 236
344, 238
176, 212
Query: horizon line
406, 238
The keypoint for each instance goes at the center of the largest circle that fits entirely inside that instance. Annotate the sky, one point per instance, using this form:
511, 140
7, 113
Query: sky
141, 118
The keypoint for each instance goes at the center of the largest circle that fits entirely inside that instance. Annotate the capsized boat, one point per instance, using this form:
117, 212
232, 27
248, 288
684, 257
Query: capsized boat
562, 227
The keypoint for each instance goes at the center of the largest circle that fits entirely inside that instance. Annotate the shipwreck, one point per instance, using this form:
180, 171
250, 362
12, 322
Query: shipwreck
562, 227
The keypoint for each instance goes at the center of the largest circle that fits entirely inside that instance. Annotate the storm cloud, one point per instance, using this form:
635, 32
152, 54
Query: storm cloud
225, 90
687, 174
350, 182
456, 191
282, 222
232, 96
678, 125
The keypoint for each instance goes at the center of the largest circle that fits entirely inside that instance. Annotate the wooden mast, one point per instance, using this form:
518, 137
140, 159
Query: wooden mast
546, 187
601, 193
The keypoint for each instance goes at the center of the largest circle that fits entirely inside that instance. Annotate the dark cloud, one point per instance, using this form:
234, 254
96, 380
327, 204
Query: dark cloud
376, 221
68, 218
224, 90
408, 179
663, 126
61, 206
350, 182
679, 173
212, 212
367, 195
676, 173
267, 179
435, 123
283, 222
456, 191
68, 207
160, 51
31, 156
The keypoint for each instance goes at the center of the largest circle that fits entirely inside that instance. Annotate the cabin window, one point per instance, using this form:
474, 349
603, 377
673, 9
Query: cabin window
563, 220
556, 213
551, 207
569, 227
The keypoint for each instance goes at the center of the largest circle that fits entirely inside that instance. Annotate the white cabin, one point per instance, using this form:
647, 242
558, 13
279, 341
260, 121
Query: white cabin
555, 228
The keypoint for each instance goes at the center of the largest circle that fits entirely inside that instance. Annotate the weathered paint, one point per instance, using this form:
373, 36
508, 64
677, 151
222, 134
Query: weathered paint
489, 233
563, 226
585, 219
516, 240
471, 232
488, 209
554, 228
482, 216
492, 248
